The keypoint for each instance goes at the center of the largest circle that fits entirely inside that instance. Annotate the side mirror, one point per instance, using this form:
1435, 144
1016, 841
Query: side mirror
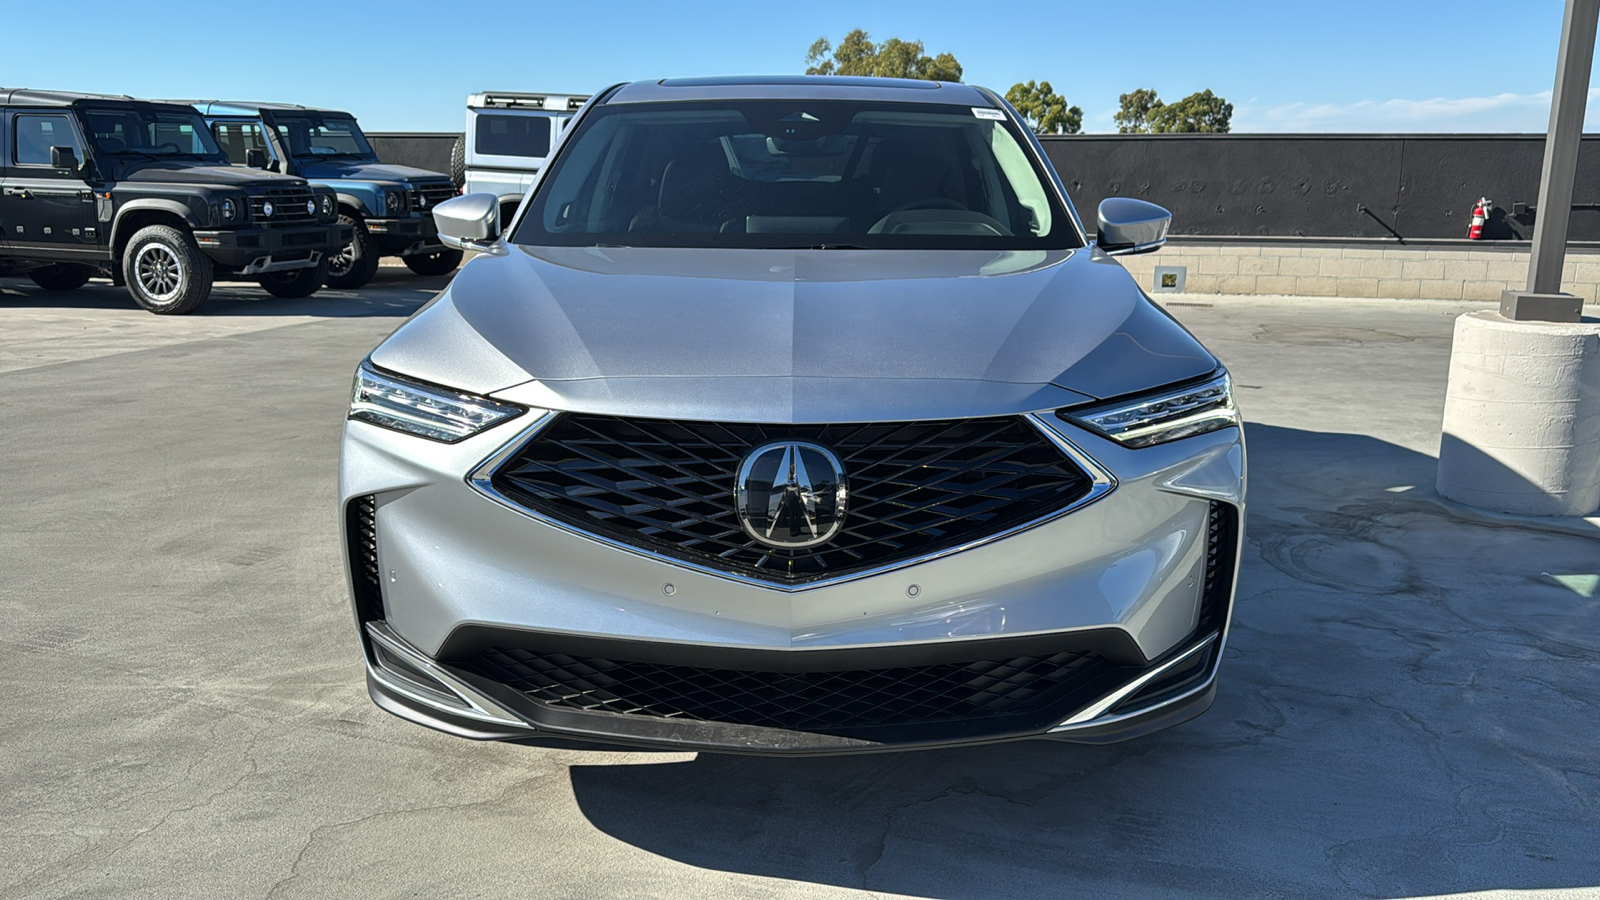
468, 223
255, 158
63, 158
1129, 226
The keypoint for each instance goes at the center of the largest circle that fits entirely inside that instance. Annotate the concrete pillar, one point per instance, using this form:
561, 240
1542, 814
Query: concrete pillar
1522, 416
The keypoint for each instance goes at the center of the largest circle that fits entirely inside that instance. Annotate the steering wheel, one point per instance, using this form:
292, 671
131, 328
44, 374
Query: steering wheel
172, 144
930, 203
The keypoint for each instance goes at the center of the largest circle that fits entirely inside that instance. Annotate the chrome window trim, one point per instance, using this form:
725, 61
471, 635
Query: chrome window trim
1102, 482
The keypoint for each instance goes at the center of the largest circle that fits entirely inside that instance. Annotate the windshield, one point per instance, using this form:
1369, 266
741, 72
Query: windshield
787, 174
146, 132
315, 136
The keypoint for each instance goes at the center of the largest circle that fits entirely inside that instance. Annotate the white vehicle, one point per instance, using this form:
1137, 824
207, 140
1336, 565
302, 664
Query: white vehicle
508, 139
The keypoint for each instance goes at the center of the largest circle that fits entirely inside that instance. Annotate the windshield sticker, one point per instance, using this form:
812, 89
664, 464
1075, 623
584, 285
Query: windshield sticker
986, 113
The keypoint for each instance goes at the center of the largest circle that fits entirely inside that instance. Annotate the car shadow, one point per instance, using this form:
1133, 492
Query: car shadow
1406, 708
394, 291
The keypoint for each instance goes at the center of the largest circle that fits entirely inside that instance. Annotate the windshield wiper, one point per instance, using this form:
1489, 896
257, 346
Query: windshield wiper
828, 247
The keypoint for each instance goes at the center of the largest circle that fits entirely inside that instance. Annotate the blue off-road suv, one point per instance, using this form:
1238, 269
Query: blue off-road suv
389, 208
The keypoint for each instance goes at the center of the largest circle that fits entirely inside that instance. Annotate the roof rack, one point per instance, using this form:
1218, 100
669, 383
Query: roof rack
520, 100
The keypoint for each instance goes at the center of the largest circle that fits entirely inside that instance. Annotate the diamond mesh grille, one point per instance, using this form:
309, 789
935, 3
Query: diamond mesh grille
1019, 688
668, 486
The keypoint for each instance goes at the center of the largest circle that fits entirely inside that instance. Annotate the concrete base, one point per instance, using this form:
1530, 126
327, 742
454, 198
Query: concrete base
1522, 306
1522, 416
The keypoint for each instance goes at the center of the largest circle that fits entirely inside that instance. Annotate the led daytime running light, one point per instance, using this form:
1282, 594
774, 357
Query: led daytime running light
435, 413
1164, 416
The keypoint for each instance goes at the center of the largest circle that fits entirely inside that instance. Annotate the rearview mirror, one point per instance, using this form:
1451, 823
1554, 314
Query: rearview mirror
63, 158
1129, 226
468, 223
255, 158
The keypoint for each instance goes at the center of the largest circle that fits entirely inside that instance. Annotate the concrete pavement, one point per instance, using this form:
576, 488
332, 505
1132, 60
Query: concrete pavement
1407, 709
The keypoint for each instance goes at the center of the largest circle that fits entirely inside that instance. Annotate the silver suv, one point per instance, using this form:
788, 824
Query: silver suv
793, 415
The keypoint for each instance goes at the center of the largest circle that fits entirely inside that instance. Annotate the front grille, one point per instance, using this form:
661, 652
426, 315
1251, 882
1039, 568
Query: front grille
361, 537
1030, 691
288, 207
915, 488
425, 197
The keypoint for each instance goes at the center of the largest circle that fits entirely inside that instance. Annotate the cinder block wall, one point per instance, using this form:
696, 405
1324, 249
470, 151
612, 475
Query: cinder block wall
1334, 270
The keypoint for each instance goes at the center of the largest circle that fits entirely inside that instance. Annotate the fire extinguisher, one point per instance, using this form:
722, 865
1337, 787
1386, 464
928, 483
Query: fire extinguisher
1480, 214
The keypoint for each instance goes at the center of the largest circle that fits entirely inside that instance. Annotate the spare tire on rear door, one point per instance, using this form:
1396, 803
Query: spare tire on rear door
458, 162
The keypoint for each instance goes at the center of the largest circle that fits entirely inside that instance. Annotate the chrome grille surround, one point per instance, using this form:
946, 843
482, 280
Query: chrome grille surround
488, 479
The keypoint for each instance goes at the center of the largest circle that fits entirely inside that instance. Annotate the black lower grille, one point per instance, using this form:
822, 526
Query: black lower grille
1029, 691
914, 487
361, 535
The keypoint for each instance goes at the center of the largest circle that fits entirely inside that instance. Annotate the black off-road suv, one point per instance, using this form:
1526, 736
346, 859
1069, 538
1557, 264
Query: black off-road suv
140, 191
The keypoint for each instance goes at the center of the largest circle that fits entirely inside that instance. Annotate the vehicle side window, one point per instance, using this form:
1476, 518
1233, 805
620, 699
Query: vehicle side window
36, 134
237, 138
513, 135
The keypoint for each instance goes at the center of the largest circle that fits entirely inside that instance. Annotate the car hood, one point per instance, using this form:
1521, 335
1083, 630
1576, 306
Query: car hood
354, 170
794, 335
230, 176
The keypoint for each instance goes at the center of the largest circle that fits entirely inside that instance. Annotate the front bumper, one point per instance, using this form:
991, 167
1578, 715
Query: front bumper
272, 248
404, 235
445, 578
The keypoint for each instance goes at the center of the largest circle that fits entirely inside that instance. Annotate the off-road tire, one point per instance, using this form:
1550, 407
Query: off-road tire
439, 262
62, 276
361, 265
458, 163
176, 276
292, 284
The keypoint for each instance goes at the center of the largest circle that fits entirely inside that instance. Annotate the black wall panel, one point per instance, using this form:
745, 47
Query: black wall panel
1423, 187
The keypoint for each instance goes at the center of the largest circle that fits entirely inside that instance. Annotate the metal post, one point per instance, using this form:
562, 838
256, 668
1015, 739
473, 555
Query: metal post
1543, 299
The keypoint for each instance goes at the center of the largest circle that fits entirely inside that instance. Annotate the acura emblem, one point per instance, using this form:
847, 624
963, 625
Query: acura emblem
791, 494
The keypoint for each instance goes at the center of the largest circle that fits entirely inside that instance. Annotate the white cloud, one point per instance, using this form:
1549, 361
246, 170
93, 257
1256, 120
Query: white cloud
1527, 113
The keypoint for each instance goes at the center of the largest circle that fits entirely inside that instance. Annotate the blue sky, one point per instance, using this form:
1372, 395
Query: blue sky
1356, 65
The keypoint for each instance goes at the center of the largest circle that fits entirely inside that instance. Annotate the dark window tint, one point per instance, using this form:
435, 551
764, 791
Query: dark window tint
37, 134
237, 138
786, 174
314, 135
150, 132
513, 135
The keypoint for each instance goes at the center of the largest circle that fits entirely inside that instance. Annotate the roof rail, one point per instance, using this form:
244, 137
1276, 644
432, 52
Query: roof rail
522, 100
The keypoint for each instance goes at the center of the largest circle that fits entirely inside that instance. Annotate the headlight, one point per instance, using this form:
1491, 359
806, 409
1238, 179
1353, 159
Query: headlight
230, 210
393, 200
435, 413
1165, 415
327, 205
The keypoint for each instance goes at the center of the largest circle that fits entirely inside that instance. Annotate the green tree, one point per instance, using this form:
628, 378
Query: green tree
1202, 112
1046, 111
1134, 116
1198, 113
894, 58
